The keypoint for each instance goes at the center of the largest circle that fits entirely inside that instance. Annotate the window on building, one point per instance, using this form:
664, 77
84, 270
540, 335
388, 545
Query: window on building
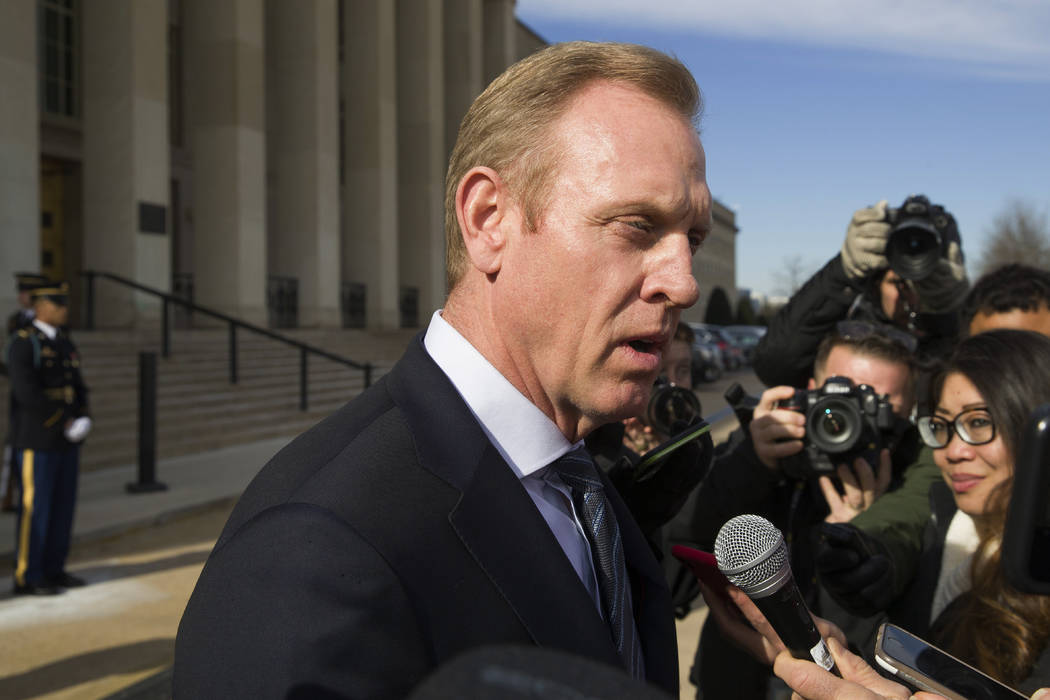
58, 29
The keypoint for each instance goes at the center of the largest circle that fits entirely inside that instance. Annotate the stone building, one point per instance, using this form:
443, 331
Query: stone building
281, 161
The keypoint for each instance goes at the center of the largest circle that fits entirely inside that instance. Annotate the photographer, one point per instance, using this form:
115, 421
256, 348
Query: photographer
899, 266
762, 471
617, 447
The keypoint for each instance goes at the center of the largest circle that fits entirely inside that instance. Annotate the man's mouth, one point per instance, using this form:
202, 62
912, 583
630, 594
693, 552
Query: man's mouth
646, 346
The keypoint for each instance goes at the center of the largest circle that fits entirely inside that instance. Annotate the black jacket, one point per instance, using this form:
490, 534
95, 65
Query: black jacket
46, 388
785, 354
383, 542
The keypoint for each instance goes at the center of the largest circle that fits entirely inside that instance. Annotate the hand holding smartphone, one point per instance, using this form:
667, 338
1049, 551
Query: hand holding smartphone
704, 566
926, 667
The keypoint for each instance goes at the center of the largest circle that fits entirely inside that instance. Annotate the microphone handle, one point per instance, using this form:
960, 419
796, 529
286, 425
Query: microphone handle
787, 613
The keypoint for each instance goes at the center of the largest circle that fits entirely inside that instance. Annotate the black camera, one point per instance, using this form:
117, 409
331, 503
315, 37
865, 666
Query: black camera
671, 407
919, 237
843, 421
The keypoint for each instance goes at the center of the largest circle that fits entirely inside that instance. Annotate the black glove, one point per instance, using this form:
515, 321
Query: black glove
854, 568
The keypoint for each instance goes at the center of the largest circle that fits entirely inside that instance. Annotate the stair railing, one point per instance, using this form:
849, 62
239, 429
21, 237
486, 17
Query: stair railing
305, 349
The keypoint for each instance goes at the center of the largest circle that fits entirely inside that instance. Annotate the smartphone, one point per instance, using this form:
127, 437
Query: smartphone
926, 667
1026, 539
704, 566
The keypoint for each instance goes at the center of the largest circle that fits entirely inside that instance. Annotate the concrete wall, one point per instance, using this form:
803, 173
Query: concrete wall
312, 144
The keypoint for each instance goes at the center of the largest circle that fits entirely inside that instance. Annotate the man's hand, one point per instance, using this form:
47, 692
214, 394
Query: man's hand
776, 432
743, 623
864, 250
860, 488
859, 680
640, 436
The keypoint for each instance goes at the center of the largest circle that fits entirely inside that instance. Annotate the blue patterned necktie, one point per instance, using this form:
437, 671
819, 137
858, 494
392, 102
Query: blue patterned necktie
578, 472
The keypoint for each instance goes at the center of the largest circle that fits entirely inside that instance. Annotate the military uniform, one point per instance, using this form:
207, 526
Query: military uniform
23, 318
49, 394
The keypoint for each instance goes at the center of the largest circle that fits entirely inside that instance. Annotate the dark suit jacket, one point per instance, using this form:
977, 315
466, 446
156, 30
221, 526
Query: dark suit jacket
382, 542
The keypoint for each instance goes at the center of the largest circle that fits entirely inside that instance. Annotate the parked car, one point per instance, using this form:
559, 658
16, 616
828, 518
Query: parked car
732, 353
707, 362
746, 337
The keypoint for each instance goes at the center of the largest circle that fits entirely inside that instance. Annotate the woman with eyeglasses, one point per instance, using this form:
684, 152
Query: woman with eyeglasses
959, 599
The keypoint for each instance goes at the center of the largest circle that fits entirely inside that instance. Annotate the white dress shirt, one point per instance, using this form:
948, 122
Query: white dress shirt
49, 330
523, 435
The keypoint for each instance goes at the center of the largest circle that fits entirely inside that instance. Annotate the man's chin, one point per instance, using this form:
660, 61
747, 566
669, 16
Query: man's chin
630, 406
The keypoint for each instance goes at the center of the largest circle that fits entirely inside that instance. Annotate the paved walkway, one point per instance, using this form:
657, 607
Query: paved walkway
104, 506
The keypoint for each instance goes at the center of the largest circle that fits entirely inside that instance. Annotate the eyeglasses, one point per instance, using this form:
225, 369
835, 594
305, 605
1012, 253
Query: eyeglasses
858, 330
974, 426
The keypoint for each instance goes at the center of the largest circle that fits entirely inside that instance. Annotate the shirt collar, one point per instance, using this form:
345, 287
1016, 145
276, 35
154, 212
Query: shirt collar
520, 431
49, 330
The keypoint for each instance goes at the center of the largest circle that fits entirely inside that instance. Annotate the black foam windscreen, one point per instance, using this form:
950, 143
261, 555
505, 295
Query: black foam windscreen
512, 672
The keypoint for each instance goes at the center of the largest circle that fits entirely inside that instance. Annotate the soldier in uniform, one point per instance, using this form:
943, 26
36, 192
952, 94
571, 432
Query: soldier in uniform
26, 283
50, 402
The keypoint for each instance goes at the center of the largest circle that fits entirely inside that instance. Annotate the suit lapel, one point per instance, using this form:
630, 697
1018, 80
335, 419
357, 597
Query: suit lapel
495, 518
508, 538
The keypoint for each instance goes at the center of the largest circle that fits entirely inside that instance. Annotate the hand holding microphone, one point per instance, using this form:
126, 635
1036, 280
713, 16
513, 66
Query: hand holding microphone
752, 554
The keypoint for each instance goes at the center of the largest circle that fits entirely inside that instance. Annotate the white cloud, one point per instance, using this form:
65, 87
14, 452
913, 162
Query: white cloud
1007, 38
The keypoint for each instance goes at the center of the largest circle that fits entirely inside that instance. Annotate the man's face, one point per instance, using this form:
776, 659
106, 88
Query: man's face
588, 302
897, 297
1038, 320
51, 313
677, 364
882, 376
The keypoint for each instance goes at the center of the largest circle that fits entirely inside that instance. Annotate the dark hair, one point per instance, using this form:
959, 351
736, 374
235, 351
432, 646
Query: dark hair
1012, 286
1011, 371
875, 344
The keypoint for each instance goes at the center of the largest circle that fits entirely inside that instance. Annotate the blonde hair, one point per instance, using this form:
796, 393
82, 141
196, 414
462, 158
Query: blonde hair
506, 128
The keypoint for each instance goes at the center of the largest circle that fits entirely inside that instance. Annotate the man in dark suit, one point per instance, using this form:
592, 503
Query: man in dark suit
449, 507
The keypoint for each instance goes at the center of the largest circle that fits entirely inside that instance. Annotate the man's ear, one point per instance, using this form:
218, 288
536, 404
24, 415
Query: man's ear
481, 207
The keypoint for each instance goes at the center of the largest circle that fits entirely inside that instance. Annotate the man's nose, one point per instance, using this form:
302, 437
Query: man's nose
671, 276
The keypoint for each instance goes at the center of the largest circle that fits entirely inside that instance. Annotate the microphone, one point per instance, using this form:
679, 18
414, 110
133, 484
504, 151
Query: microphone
752, 554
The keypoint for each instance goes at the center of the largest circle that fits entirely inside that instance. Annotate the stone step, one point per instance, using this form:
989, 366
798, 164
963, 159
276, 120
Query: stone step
197, 407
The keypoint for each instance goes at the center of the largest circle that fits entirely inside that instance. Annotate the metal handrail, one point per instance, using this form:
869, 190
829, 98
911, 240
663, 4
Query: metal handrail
305, 349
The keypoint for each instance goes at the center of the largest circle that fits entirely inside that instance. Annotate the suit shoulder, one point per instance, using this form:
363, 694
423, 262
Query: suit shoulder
348, 463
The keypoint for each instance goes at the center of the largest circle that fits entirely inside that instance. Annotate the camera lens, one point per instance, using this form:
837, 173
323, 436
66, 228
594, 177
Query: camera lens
834, 425
671, 405
913, 248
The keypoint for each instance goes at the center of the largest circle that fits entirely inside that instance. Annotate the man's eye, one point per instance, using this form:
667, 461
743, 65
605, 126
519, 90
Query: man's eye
640, 224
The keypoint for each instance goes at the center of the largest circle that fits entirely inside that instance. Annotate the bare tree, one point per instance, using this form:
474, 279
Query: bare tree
1019, 234
792, 274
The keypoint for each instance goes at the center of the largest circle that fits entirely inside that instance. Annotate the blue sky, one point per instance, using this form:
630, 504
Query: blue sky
815, 108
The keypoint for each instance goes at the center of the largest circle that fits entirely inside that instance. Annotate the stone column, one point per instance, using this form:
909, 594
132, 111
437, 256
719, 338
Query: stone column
500, 28
302, 141
421, 152
370, 203
225, 112
19, 148
463, 63
125, 170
